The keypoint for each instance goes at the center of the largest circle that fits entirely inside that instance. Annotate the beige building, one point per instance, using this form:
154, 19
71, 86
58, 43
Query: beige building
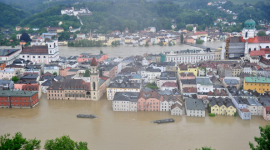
8, 73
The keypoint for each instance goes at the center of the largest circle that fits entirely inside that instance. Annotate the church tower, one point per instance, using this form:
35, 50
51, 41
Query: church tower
248, 32
94, 80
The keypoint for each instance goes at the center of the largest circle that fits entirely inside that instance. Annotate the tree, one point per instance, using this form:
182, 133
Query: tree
25, 37
198, 41
55, 73
87, 73
64, 143
189, 28
263, 142
261, 33
152, 85
182, 38
15, 79
18, 142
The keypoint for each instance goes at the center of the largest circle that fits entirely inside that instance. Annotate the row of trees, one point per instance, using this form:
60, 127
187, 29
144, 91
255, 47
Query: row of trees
85, 43
18, 142
51, 17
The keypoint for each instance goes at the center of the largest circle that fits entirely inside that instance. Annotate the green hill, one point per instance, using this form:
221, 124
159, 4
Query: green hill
50, 17
10, 16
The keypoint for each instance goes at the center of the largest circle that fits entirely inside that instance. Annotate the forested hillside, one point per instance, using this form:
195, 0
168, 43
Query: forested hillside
50, 17
136, 14
10, 16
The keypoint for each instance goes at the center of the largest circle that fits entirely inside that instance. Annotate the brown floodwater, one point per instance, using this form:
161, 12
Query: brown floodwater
127, 130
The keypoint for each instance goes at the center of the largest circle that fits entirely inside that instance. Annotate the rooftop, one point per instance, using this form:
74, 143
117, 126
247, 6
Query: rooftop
194, 104
7, 52
7, 93
126, 96
257, 79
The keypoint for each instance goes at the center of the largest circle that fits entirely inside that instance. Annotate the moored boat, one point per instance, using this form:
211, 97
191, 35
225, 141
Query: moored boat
86, 116
164, 121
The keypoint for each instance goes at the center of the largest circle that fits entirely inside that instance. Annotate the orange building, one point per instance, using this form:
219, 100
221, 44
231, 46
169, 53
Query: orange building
149, 100
88, 57
2, 65
18, 99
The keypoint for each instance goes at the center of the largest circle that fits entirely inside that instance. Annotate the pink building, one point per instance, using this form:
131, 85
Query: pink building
63, 72
20, 84
266, 113
149, 100
88, 57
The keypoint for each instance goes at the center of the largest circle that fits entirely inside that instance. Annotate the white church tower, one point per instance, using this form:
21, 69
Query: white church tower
249, 31
94, 80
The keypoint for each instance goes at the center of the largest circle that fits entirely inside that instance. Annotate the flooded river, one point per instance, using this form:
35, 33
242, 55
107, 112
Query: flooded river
124, 51
127, 130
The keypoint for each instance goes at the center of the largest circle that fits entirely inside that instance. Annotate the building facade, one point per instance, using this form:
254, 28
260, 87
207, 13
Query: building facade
41, 53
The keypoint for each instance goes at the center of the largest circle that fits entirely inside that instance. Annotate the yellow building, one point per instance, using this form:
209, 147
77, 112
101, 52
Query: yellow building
260, 84
222, 106
127, 40
231, 110
185, 68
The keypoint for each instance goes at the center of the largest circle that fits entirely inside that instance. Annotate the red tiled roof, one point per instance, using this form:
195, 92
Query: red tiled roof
94, 62
258, 39
35, 50
200, 32
169, 84
30, 87
267, 108
257, 53
190, 90
150, 94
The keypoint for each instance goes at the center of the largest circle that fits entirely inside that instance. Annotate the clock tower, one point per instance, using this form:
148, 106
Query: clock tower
248, 32
94, 79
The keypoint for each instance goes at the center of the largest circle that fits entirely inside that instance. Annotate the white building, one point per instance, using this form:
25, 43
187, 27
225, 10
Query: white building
9, 55
73, 12
125, 101
190, 56
8, 73
151, 74
204, 84
121, 84
177, 109
41, 54
195, 107
51, 69
167, 103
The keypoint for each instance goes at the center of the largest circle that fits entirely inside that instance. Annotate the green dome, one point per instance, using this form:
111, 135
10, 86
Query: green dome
250, 24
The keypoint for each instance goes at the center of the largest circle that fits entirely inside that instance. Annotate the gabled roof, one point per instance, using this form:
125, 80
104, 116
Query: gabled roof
40, 49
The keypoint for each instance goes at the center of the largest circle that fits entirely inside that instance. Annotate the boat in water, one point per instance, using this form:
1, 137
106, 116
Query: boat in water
164, 121
86, 116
